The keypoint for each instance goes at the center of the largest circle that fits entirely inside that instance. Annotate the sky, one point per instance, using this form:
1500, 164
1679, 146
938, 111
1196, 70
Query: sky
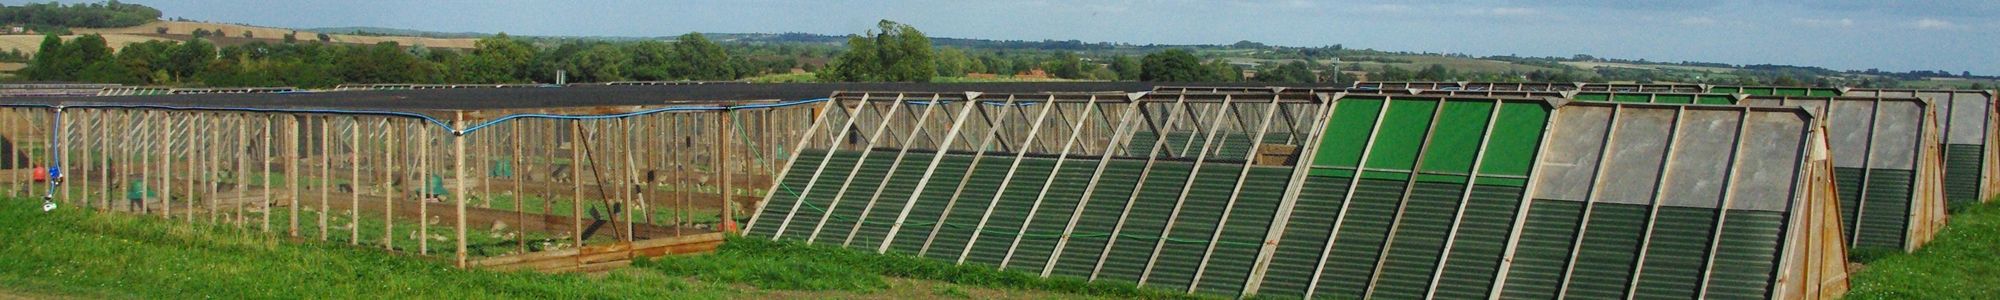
1949, 35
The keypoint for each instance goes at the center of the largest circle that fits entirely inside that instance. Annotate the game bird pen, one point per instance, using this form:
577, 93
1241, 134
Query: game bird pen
1277, 193
548, 189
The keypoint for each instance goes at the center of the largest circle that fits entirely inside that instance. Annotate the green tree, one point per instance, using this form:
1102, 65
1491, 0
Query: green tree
1126, 66
696, 58
1173, 65
599, 63
652, 61
495, 59
188, 58
1065, 65
898, 53
952, 62
1435, 72
49, 62
1222, 71
380, 63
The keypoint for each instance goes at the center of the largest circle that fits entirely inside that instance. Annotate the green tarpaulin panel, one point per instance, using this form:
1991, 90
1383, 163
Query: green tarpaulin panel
786, 193
1100, 215
1299, 250
847, 210
1543, 252
923, 216
895, 193
1016, 199
958, 224
1145, 222
1046, 226
1482, 238
1962, 163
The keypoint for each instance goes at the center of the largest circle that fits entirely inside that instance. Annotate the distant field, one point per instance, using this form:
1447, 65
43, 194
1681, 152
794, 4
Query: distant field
1454, 63
117, 38
1594, 65
1950, 84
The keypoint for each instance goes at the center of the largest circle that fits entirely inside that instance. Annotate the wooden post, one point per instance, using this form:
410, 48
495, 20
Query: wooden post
265, 161
354, 181
325, 171
458, 145
388, 184
576, 177
520, 199
292, 181
242, 165
728, 221
424, 191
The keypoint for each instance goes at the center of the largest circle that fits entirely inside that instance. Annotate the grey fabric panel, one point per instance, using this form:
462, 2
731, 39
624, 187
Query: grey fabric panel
1848, 130
1966, 116
1638, 145
1571, 160
1769, 163
1898, 126
1696, 176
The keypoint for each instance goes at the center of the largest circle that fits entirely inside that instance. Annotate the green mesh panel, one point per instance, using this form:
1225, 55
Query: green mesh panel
1195, 225
1360, 239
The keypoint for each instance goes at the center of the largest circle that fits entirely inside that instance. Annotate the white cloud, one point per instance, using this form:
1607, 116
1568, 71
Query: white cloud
1933, 24
1697, 21
1826, 23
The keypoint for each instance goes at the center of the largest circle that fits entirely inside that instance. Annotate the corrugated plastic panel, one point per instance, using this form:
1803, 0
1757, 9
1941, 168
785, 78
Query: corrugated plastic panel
1847, 185
1543, 252
1100, 217
1053, 215
923, 216
1243, 235
800, 172
1188, 237
820, 195
1011, 212
1298, 252
1962, 163
1482, 238
1360, 240
895, 193
1418, 241
1610, 247
1148, 218
1748, 255
848, 209
1678, 253
972, 203
1885, 211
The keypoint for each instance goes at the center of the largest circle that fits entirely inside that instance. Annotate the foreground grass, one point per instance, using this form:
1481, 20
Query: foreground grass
791, 265
1962, 263
75, 253
69, 252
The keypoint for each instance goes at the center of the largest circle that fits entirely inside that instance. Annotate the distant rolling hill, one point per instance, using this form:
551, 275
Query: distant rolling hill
232, 34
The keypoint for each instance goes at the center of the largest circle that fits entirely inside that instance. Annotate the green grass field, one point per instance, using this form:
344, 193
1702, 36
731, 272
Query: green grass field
1962, 263
73, 253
